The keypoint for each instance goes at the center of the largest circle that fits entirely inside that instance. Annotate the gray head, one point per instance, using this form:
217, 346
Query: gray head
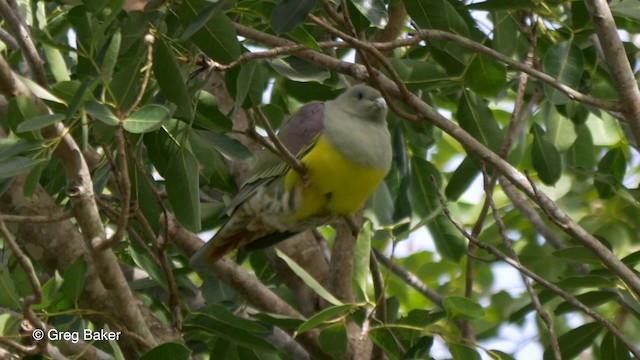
363, 101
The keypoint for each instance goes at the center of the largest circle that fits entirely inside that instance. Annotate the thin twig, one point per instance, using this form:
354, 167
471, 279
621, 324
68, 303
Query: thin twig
333, 14
124, 189
161, 256
409, 278
148, 39
28, 269
530, 213
272, 53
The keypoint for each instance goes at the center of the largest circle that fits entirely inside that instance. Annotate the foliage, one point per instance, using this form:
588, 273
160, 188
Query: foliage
151, 105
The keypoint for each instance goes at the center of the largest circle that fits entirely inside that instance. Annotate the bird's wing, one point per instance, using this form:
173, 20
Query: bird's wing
298, 135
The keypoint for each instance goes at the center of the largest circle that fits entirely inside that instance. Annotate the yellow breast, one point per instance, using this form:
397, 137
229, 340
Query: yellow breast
335, 184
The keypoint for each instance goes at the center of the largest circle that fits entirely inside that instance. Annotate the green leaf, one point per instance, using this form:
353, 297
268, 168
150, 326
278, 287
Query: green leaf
249, 85
302, 36
233, 334
463, 352
110, 57
591, 299
82, 95
333, 340
74, 278
458, 307
422, 75
575, 341
462, 178
612, 348
490, 5
170, 79
581, 154
545, 157
577, 253
426, 205
147, 118
564, 62
373, 10
328, 315
421, 349
384, 338
587, 281
39, 122
278, 320
611, 169
202, 19
420, 318
560, 130
39, 91
499, 355
309, 280
20, 109
476, 118
101, 112
168, 351
9, 296
297, 69
437, 14
217, 38
505, 32
223, 314
361, 256
183, 188
290, 13
485, 76
629, 9
208, 115
16, 166
212, 167
12, 147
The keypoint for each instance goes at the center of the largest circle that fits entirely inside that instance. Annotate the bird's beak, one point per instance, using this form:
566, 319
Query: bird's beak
380, 103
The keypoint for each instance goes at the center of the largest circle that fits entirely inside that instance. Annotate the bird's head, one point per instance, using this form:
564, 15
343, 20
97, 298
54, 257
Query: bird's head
365, 102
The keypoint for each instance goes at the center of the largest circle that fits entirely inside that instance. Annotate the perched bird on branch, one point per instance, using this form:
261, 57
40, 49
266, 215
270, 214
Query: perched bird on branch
345, 149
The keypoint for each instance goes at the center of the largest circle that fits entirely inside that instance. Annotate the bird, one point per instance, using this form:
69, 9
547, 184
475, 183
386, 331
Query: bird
344, 145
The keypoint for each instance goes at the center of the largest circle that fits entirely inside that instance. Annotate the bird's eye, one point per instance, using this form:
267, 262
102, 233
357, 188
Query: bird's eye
360, 96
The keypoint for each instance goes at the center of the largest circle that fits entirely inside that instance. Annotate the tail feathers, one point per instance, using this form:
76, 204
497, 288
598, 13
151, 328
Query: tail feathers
216, 248
268, 240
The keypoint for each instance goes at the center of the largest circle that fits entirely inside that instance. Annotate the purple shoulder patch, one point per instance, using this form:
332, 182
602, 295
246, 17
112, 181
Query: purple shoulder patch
302, 127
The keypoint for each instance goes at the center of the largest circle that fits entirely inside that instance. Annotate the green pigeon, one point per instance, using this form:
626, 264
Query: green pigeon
346, 148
